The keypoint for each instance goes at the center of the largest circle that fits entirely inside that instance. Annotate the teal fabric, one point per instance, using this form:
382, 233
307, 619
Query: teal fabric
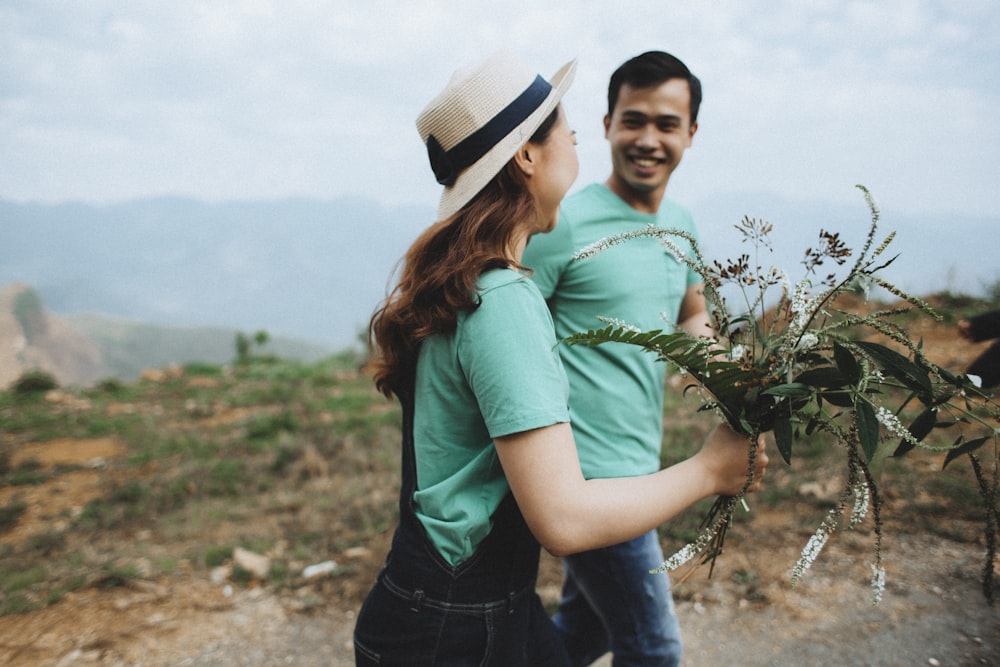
497, 374
616, 390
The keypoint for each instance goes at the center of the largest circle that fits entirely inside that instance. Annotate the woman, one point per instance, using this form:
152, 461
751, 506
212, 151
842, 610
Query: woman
466, 343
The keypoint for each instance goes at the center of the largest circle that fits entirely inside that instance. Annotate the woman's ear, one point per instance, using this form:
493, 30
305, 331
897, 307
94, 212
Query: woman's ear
524, 159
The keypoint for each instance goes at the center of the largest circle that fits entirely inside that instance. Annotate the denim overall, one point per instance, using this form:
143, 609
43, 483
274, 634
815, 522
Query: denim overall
423, 611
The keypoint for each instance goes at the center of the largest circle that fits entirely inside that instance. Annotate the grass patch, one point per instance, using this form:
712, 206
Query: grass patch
300, 459
11, 513
27, 473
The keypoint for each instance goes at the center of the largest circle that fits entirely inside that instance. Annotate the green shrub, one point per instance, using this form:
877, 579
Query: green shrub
226, 478
26, 473
264, 428
35, 382
20, 578
202, 369
216, 556
110, 386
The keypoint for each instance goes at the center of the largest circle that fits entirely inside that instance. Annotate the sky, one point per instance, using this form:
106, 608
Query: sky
105, 101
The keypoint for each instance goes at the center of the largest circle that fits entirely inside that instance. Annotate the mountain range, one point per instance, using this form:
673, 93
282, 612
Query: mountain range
314, 270
84, 349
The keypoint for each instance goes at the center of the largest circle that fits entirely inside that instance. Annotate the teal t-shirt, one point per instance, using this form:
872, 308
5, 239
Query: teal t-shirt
616, 390
498, 373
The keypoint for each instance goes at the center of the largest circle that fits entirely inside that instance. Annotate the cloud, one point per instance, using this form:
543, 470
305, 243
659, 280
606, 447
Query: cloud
104, 101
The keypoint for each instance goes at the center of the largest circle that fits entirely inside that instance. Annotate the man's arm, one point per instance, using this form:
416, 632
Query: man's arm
693, 317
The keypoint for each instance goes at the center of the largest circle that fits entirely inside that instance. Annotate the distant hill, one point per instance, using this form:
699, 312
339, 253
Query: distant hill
305, 269
314, 270
128, 348
83, 349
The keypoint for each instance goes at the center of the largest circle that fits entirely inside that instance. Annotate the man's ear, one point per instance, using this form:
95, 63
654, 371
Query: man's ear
691, 131
524, 159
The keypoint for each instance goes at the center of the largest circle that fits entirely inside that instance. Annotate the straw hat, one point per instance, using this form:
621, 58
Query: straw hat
481, 119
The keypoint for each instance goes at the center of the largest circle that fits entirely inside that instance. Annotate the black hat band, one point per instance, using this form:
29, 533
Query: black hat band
447, 165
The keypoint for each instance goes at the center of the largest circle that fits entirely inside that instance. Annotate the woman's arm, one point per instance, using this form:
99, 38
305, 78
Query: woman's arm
569, 514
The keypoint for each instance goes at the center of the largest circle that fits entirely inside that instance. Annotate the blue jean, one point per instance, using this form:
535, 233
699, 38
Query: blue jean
610, 602
399, 627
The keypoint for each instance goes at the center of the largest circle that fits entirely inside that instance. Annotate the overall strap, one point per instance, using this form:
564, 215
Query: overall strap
409, 460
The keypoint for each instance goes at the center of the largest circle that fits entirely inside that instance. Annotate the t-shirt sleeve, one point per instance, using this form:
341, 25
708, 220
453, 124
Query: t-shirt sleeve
547, 255
507, 352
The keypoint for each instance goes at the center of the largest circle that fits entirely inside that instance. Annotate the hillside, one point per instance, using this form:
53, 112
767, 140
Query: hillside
83, 349
174, 520
32, 338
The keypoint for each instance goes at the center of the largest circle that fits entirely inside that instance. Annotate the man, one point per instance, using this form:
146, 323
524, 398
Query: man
987, 365
610, 601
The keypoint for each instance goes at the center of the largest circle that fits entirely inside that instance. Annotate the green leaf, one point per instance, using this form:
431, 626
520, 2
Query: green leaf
783, 436
898, 366
868, 427
924, 424
824, 377
842, 399
904, 448
919, 428
967, 448
846, 363
789, 390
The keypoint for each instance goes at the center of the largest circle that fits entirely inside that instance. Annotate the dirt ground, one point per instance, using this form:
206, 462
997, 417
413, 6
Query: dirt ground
933, 612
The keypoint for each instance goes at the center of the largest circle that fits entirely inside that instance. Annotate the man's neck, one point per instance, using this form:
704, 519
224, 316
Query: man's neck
644, 201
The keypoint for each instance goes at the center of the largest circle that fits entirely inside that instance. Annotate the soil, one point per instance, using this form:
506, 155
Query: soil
933, 611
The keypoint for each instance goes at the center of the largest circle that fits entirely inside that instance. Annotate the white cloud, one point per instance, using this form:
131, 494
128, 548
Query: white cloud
105, 101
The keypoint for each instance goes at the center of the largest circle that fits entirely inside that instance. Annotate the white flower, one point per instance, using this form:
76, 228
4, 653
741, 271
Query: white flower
878, 583
976, 380
807, 342
861, 500
620, 324
801, 305
894, 426
679, 558
810, 552
786, 285
865, 283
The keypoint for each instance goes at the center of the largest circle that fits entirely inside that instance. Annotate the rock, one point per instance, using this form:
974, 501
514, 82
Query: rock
326, 567
357, 552
254, 563
220, 574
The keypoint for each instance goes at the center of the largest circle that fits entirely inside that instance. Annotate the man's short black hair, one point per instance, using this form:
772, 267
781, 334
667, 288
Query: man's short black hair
651, 69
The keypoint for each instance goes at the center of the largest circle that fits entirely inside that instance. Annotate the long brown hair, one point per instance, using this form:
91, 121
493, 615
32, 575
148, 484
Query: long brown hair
441, 268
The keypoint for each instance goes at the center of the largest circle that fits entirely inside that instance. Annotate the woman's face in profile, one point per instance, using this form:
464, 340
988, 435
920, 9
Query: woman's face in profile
557, 168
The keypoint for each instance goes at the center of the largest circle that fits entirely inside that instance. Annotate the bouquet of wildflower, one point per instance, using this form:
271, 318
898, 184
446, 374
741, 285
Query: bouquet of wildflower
801, 366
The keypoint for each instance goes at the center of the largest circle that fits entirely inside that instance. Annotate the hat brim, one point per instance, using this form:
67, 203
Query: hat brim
471, 181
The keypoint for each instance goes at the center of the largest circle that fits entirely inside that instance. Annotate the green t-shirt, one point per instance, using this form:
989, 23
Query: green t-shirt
616, 390
497, 374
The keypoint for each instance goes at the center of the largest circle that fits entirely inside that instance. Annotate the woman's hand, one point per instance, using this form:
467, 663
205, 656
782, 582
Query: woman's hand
725, 456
